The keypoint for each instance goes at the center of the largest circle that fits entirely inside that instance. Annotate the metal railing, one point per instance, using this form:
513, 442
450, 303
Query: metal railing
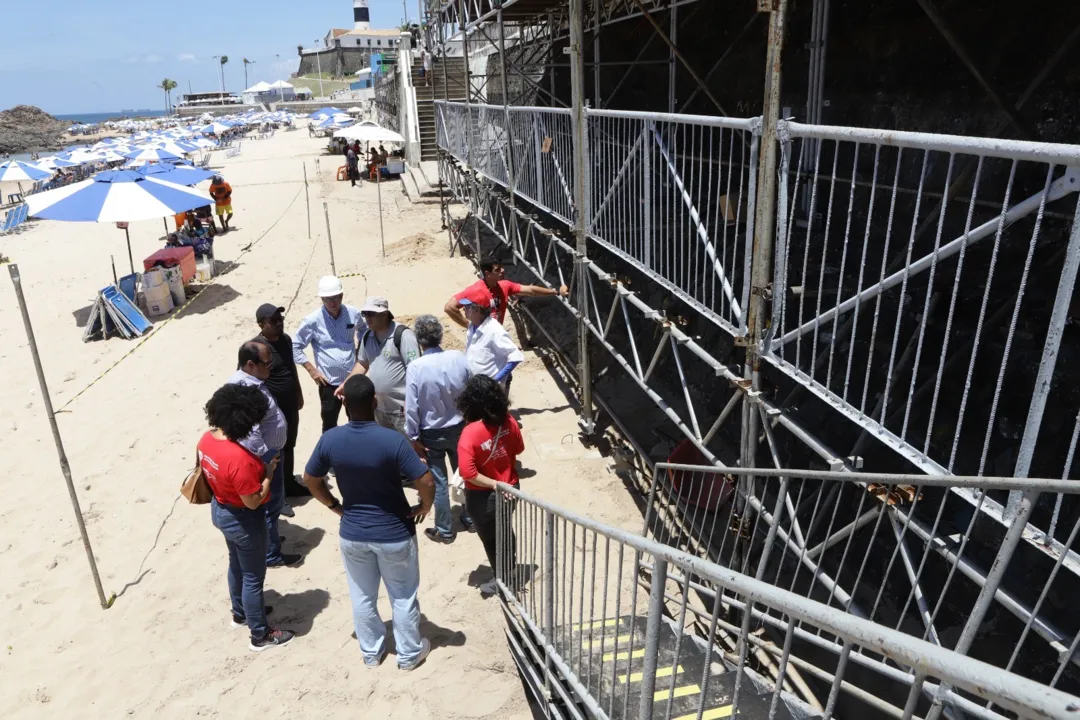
597, 639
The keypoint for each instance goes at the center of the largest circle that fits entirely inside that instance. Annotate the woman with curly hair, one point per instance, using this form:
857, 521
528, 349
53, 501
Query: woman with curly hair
241, 486
487, 453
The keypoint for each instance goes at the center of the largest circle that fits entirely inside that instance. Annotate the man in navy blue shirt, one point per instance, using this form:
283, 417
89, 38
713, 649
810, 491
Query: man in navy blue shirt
378, 526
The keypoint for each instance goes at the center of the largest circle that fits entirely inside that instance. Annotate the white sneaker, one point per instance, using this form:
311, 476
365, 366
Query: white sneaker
425, 650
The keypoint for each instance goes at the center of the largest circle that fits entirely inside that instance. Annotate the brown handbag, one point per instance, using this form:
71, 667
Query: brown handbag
195, 488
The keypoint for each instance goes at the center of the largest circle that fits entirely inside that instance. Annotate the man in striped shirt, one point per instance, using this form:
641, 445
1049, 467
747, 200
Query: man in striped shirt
332, 331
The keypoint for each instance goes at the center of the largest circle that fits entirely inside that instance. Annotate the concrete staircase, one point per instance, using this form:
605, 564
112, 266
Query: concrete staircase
614, 675
453, 89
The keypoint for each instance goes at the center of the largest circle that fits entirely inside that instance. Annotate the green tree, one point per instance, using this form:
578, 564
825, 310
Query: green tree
167, 86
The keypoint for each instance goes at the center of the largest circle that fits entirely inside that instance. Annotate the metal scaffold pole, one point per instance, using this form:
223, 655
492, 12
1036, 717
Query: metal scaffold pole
474, 199
581, 203
764, 232
508, 137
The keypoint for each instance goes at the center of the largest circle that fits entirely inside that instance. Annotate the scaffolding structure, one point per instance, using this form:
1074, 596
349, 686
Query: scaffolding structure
778, 290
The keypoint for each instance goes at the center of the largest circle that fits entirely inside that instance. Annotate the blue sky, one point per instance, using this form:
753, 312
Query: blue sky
66, 56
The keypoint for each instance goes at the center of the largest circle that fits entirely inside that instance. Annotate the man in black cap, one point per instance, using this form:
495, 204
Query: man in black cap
284, 386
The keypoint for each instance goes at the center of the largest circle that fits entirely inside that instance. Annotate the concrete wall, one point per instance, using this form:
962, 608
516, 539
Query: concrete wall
339, 62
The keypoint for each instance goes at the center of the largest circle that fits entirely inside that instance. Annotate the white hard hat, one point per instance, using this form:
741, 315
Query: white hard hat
330, 286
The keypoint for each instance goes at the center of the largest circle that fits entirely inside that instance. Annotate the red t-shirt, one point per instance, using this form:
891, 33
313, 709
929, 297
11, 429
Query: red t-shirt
491, 452
230, 470
480, 294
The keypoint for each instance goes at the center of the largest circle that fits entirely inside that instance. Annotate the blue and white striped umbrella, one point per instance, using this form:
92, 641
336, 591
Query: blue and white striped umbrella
177, 174
52, 163
18, 171
151, 155
115, 196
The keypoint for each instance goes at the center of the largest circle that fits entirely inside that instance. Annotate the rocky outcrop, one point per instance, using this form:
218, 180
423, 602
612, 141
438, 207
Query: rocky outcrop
25, 128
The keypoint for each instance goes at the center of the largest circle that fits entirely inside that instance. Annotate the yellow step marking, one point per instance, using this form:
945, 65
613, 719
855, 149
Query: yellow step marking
610, 639
608, 657
596, 624
660, 672
661, 695
714, 714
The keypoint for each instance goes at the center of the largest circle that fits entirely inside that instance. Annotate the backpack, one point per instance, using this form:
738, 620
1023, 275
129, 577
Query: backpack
399, 331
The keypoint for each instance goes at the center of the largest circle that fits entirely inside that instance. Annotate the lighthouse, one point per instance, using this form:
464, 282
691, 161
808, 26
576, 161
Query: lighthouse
361, 17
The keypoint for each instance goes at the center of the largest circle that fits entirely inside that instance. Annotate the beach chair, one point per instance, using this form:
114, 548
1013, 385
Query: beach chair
20, 218
235, 150
9, 220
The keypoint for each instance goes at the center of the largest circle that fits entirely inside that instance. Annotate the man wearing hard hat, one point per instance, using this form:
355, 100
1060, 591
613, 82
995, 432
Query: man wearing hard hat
332, 331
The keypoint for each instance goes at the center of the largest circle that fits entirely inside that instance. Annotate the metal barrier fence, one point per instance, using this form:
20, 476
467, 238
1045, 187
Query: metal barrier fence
899, 550
598, 640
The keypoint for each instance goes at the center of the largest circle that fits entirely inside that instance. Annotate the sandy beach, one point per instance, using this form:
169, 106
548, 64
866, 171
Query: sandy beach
165, 649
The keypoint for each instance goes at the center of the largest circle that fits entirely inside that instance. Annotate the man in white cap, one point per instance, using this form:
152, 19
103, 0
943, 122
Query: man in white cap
386, 349
332, 331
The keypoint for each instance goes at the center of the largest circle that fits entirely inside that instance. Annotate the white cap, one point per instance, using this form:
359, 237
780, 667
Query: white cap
330, 286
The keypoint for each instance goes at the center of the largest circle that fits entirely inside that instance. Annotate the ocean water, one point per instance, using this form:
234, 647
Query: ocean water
94, 118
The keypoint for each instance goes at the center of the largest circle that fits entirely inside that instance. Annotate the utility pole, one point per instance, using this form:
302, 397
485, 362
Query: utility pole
280, 90
318, 61
221, 66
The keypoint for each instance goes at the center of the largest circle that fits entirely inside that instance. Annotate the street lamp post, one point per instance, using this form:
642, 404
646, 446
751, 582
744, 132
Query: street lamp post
318, 61
221, 65
281, 91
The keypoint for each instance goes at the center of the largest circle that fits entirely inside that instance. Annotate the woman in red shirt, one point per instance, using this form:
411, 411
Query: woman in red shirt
487, 453
241, 486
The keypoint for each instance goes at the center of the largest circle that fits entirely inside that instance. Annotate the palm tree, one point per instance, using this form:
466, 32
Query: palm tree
164, 86
171, 85
246, 63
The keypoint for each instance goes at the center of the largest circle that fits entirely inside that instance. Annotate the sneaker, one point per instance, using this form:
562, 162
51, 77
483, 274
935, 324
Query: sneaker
287, 511
275, 638
286, 561
436, 536
467, 523
425, 650
239, 621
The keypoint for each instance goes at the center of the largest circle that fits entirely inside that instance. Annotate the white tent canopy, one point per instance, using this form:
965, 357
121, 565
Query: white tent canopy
259, 87
279, 85
369, 133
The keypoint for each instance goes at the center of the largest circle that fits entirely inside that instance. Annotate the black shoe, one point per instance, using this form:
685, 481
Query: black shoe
286, 561
275, 638
295, 489
240, 621
287, 511
435, 536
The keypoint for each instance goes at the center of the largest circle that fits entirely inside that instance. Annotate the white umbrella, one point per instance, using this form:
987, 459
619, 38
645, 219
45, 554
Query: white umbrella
369, 133
18, 171
354, 111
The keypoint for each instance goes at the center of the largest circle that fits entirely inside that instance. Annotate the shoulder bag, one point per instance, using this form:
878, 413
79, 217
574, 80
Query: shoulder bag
195, 488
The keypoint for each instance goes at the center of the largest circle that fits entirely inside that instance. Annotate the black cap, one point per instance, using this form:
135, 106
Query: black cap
267, 310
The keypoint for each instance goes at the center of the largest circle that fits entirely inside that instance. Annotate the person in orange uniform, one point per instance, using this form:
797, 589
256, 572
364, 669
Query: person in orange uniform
221, 192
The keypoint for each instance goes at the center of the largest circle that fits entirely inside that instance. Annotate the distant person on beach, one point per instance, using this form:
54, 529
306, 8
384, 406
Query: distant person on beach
378, 527
487, 453
352, 163
221, 192
494, 291
283, 382
433, 423
332, 331
241, 487
266, 441
385, 351
373, 161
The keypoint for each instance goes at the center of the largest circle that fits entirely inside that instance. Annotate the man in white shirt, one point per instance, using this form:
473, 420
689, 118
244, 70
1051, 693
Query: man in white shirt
489, 349
433, 423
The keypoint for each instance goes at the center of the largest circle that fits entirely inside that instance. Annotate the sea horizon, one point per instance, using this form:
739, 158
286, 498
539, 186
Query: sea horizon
100, 117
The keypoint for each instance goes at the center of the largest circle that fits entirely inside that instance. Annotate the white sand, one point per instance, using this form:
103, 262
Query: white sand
165, 649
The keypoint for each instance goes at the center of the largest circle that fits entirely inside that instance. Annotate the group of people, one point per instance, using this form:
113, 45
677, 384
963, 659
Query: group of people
411, 407
376, 158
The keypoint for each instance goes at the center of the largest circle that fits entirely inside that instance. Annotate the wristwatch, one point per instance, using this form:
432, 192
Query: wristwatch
335, 505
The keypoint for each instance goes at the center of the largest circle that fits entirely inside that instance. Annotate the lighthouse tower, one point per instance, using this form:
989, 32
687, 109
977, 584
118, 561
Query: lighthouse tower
361, 18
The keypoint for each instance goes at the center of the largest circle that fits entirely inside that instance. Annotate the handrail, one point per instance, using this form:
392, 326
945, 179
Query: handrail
1005, 689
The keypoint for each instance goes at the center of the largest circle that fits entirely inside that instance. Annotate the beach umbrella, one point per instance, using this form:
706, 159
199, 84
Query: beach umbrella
151, 155
369, 133
18, 171
172, 147
52, 163
326, 112
204, 142
115, 196
182, 174
354, 111
215, 127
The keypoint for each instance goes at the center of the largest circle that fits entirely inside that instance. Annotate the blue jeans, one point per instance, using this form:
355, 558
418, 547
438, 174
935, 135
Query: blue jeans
273, 508
440, 445
398, 565
245, 536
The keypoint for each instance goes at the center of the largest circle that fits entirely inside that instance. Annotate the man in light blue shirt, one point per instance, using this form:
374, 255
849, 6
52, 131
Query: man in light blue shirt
432, 421
265, 442
332, 331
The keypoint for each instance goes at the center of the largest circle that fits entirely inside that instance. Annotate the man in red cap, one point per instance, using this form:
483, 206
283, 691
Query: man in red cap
493, 291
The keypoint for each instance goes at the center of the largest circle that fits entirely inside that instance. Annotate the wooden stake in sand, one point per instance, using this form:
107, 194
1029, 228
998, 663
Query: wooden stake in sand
16, 280
378, 187
307, 199
329, 240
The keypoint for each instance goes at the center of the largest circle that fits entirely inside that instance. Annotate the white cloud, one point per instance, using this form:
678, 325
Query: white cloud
151, 59
185, 57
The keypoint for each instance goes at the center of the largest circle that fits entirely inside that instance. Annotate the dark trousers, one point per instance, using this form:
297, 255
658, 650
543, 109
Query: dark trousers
331, 406
288, 453
481, 507
246, 537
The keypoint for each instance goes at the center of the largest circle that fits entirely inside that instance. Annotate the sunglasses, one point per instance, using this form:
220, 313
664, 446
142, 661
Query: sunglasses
369, 313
